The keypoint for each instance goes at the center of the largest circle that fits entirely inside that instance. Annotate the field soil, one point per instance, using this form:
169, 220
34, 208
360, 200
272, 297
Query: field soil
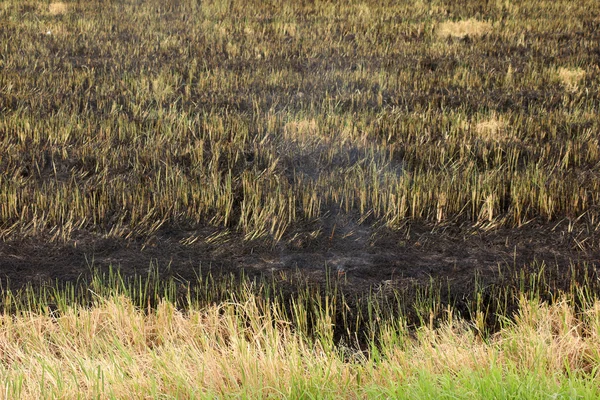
358, 259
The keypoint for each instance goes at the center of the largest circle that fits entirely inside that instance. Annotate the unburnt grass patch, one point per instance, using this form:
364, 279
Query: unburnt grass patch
495, 129
571, 78
471, 28
58, 8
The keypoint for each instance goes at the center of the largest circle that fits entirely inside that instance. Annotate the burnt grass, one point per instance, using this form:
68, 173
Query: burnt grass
416, 272
458, 260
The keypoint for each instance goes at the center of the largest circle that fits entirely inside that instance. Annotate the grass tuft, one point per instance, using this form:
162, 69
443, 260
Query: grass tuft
471, 28
58, 8
494, 129
571, 78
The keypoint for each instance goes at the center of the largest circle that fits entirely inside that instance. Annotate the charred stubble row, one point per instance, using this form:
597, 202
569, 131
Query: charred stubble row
260, 118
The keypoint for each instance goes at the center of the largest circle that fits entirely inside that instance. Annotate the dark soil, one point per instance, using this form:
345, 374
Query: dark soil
360, 258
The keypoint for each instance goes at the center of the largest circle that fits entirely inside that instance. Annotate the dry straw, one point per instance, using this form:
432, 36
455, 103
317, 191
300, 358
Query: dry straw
306, 130
58, 8
461, 29
571, 78
493, 129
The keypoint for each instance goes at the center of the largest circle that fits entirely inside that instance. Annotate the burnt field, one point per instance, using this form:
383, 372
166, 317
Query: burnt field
387, 146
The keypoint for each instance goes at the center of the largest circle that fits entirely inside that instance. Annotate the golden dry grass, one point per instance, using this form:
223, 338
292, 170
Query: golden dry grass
493, 129
114, 349
58, 8
460, 29
302, 131
571, 77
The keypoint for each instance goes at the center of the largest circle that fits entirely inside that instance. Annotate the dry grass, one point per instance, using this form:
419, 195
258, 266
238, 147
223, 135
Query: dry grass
466, 28
571, 77
493, 129
302, 131
543, 339
238, 349
58, 8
